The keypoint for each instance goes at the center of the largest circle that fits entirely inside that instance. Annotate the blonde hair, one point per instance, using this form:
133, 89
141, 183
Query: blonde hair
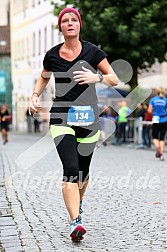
160, 91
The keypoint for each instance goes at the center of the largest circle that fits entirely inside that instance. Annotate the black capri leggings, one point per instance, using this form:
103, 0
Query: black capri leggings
159, 131
75, 146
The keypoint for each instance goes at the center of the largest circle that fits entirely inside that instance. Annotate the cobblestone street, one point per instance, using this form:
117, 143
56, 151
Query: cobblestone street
125, 206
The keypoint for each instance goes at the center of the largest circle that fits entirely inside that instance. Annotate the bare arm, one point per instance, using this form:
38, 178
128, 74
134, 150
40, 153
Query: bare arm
39, 87
87, 76
42, 82
109, 76
150, 109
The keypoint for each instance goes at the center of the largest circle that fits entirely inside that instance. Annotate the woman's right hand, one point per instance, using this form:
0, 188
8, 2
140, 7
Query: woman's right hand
34, 104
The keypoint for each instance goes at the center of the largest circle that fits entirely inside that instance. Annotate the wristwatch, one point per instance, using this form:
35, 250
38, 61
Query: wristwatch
100, 77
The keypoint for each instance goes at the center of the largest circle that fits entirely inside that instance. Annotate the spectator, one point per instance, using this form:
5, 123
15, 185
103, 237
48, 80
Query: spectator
29, 121
36, 125
102, 117
140, 111
123, 113
147, 128
139, 117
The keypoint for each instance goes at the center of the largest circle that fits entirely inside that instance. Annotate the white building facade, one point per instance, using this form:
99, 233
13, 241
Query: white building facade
4, 12
33, 32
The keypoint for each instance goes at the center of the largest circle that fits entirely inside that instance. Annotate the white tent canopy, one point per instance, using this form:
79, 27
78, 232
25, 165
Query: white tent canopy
154, 81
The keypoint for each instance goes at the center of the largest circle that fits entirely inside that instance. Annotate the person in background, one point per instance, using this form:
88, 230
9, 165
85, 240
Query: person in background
158, 107
74, 119
37, 125
102, 117
139, 117
29, 121
140, 111
123, 113
4, 119
147, 127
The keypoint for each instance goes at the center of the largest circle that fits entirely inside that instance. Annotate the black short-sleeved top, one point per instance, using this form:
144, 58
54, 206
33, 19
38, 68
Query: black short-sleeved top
4, 123
67, 91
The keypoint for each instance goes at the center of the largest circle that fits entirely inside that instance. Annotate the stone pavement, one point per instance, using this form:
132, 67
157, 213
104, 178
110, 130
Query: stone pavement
125, 206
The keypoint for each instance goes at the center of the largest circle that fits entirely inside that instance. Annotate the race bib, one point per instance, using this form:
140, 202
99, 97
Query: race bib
80, 116
155, 119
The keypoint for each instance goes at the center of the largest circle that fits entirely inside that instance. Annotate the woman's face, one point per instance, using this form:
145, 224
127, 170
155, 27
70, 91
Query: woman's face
3, 108
70, 25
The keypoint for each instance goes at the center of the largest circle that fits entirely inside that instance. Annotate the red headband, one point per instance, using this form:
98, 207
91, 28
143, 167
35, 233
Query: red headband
67, 10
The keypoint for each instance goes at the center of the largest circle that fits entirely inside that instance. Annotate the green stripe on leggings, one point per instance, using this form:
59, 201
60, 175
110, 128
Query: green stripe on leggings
60, 130
91, 139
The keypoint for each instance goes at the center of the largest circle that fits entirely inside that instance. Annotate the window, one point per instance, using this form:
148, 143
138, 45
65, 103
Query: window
33, 3
28, 49
45, 39
52, 35
39, 43
34, 47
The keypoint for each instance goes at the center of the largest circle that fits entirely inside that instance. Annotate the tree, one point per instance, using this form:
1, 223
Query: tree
135, 31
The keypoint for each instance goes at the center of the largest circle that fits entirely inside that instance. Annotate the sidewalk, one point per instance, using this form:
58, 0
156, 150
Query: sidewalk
9, 238
125, 207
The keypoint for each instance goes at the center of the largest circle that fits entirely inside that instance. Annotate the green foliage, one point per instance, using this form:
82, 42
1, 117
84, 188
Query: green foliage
135, 31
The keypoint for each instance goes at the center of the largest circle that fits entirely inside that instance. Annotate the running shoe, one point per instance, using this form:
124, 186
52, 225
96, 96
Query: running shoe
76, 229
157, 154
104, 143
161, 157
5, 141
80, 212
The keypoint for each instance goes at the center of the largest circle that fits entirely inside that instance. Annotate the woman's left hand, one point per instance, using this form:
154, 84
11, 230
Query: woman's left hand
86, 76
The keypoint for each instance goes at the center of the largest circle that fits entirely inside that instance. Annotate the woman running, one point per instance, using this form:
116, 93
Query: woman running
74, 120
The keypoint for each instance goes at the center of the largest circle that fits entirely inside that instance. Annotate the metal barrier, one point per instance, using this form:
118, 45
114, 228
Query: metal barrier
134, 129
